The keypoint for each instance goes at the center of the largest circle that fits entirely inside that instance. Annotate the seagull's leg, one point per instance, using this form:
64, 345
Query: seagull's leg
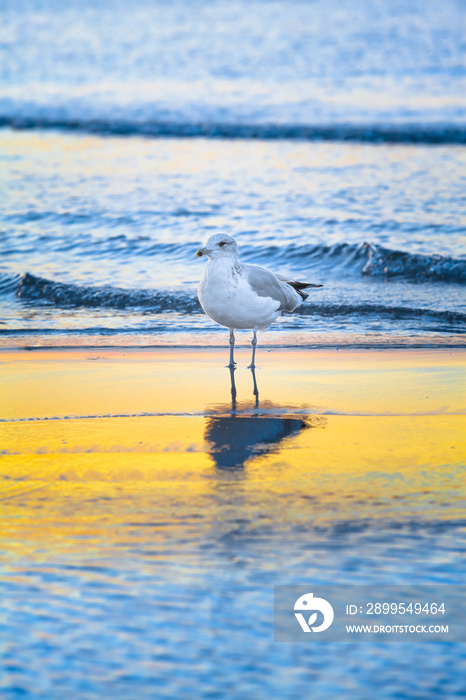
232, 348
233, 389
254, 344
255, 389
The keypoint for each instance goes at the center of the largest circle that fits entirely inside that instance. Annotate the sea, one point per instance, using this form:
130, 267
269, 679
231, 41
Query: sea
328, 138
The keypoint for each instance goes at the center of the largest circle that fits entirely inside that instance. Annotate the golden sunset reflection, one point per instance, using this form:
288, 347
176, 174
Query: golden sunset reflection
90, 470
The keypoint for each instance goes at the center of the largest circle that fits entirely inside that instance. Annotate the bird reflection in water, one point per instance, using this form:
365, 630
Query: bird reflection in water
236, 436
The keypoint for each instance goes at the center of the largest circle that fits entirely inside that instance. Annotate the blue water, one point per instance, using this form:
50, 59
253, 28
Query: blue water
330, 139
329, 142
192, 617
107, 228
262, 62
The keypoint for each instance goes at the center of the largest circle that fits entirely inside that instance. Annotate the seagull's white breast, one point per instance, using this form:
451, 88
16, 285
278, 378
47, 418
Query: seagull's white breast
227, 297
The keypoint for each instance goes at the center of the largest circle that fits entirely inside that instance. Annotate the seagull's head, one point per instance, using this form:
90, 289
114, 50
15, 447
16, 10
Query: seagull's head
219, 245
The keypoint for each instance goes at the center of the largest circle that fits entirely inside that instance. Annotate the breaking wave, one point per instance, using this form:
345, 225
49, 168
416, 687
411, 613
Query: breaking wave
33, 288
383, 262
369, 260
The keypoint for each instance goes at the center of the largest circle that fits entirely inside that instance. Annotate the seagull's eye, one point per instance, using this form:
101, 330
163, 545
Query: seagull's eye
222, 243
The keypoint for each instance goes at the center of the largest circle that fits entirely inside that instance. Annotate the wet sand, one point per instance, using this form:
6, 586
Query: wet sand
128, 475
334, 435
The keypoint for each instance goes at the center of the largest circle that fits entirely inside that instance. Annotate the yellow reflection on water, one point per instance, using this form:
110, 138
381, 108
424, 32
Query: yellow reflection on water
85, 483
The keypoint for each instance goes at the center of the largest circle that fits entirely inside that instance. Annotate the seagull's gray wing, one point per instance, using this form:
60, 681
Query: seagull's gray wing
266, 284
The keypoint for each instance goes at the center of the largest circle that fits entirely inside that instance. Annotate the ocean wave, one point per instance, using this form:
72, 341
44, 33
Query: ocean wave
30, 288
351, 257
339, 260
434, 133
366, 259
384, 262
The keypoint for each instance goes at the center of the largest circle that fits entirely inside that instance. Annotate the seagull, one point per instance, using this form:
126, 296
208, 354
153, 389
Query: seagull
238, 295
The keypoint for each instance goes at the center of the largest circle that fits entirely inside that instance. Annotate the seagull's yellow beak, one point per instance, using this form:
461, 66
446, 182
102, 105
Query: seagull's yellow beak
199, 253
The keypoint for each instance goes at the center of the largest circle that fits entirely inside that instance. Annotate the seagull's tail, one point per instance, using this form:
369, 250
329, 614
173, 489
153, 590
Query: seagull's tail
299, 286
